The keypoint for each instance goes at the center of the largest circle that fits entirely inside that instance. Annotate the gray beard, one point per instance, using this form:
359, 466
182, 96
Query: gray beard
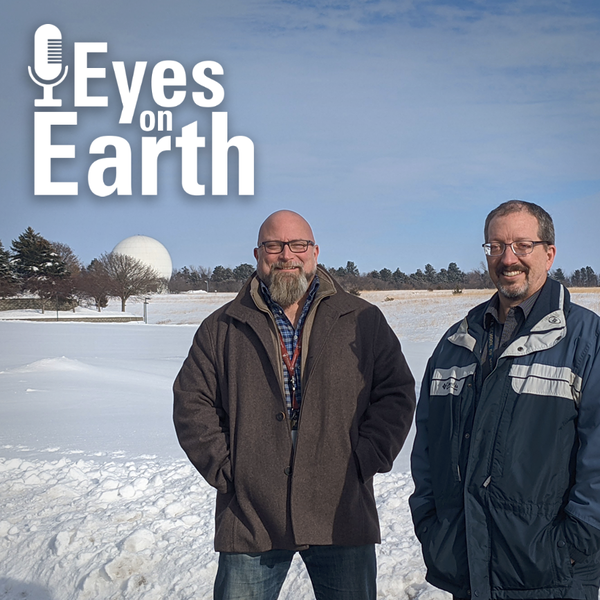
515, 293
287, 289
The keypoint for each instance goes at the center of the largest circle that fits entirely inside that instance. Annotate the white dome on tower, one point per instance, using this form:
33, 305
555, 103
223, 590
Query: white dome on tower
148, 251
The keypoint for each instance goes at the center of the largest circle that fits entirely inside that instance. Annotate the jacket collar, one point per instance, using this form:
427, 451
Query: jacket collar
462, 337
250, 308
545, 326
244, 305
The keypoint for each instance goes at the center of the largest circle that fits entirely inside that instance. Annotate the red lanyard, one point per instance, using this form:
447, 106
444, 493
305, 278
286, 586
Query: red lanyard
291, 364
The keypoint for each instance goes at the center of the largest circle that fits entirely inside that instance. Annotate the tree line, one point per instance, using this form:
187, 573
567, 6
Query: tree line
53, 272
224, 279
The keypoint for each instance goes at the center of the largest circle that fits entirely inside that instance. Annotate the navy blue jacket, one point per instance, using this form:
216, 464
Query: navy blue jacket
507, 470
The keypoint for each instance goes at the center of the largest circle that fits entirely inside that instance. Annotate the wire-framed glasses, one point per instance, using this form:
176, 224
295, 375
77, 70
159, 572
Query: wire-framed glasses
520, 248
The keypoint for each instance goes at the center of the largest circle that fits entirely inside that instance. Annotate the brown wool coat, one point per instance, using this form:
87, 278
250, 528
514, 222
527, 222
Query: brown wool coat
231, 419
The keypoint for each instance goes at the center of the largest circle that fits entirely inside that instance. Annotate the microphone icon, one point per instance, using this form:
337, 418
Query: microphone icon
48, 62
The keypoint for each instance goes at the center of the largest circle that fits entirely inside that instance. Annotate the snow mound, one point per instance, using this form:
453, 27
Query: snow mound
143, 530
50, 365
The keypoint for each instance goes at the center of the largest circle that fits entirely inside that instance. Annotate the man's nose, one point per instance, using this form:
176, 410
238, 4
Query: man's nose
286, 254
509, 257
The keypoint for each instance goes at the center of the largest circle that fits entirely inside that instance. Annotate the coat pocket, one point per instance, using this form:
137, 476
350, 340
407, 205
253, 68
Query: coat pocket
444, 550
528, 552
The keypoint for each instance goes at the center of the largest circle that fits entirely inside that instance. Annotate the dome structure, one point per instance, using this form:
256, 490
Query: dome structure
148, 251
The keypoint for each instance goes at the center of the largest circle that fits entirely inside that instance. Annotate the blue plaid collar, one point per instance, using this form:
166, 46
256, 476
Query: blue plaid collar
292, 383
278, 311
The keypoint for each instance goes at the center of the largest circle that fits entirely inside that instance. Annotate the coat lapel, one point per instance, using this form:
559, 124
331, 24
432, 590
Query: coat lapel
325, 321
244, 310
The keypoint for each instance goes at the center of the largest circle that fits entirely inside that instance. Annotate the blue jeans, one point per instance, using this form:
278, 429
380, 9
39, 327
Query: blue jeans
336, 573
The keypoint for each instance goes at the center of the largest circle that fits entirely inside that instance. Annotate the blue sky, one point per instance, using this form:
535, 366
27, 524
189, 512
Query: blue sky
392, 126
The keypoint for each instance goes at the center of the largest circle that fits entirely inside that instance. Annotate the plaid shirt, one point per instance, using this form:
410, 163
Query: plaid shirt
290, 338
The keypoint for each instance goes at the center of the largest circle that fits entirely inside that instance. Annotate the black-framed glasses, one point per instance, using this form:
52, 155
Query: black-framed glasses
521, 248
296, 246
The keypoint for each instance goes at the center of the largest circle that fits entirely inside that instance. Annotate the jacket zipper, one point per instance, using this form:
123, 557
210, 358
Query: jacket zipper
488, 479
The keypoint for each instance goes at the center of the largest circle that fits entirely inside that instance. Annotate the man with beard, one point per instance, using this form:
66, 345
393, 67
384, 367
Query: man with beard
506, 456
292, 397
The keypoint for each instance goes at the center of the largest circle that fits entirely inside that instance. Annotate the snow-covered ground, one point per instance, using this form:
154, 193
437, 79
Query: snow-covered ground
97, 499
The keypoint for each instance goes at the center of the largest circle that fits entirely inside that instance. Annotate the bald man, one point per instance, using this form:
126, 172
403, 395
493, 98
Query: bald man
293, 396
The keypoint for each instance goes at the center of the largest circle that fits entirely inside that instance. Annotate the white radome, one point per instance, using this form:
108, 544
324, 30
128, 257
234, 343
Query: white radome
149, 251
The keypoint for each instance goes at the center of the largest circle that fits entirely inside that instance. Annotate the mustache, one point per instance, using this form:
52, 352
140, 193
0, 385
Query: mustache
286, 265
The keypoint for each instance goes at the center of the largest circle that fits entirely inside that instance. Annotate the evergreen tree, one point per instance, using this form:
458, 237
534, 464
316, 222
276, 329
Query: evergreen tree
38, 265
578, 278
243, 271
8, 281
430, 275
34, 258
351, 269
399, 278
221, 273
591, 279
385, 275
455, 275
418, 279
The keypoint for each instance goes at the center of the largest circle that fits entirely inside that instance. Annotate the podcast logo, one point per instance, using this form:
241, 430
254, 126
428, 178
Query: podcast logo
48, 62
166, 79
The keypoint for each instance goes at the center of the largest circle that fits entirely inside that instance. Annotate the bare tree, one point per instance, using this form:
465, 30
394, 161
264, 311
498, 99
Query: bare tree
189, 278
93, 283
65, 288
68, 257
201, 273
479, 278
129, 277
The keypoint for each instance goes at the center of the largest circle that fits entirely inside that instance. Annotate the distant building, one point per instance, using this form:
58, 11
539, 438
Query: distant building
148, 251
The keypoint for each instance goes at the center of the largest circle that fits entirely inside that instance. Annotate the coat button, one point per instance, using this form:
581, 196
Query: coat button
280, 416
288, 471
561, 544
467, 436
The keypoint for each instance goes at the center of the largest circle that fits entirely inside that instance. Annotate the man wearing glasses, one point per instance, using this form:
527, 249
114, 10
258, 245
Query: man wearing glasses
292, 397
506, 460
